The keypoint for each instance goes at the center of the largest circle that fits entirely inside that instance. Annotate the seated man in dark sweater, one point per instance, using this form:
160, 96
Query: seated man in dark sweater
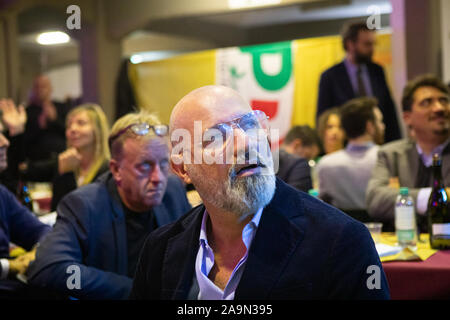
19, 226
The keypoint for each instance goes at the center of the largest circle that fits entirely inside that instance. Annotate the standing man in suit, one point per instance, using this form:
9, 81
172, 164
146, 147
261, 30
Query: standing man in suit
407, 162
358, 76
101, 227
254, 237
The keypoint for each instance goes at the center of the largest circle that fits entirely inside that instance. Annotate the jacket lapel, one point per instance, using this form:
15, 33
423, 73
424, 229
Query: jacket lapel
408, 165
119, 228
273, 245
179, 260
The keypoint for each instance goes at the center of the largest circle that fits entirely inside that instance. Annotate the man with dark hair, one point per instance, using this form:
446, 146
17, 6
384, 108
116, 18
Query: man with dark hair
343, 175
300, 145
407, 162
358, 76
302, 141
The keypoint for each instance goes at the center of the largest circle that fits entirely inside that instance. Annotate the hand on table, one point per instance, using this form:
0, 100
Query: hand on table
20, 264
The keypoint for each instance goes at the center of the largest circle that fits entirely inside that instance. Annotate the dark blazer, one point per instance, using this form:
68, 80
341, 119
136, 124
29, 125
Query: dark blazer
20, 226
90, 233
303, 249
65, 183
335, 89
294, 170
17, 224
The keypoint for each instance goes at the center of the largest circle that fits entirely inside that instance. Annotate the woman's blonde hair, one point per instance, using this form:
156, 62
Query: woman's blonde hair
101, 131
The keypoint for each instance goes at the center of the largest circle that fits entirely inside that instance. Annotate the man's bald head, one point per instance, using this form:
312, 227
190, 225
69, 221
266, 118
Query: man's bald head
42, 89
232, 168
207, 104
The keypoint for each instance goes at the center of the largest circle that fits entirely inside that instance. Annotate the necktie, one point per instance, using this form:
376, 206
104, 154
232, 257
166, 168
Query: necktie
361, 87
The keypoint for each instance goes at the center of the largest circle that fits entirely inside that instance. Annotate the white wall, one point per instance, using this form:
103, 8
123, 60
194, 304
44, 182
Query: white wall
66, 82
445, 40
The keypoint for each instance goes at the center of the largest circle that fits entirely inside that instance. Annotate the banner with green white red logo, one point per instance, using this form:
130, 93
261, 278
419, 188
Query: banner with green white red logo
262, 74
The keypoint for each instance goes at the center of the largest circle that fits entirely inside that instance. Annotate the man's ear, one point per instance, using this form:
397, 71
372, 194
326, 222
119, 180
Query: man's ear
370, 128
179, 168
114, 168
297, 144
407, 117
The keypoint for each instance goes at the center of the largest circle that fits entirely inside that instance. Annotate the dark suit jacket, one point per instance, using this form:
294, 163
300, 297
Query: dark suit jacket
90, 233
17, 224
303, 249
20, 226
294, 170
335, 89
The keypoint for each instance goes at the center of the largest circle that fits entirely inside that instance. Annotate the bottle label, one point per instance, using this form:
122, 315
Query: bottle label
405, 235
441, 229
404, 218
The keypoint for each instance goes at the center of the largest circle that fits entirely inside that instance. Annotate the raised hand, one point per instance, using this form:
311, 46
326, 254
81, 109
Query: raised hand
14, 118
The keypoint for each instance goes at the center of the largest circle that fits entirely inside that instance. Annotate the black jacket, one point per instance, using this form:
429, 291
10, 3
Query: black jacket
335, 89
303, 249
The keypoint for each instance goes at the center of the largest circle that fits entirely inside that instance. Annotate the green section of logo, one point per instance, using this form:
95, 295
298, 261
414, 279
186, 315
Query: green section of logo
271, 82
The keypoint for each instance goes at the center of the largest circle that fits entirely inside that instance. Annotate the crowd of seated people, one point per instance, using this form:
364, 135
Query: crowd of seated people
126, 228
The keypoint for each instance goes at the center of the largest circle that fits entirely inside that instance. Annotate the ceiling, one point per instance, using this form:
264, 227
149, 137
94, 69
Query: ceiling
243, 27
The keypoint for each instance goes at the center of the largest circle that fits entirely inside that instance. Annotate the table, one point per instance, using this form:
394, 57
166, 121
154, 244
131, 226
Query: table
413, 280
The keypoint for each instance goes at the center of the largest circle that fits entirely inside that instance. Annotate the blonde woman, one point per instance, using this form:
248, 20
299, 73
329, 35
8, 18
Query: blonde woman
87, 153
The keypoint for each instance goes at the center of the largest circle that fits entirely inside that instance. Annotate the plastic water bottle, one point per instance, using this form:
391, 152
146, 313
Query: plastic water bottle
405, 219
313, 193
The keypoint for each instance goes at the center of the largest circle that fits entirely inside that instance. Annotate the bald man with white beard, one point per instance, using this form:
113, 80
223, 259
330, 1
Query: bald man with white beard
254, 237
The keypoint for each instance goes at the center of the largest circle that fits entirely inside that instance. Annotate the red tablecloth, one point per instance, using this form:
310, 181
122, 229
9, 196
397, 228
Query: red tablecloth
429, 279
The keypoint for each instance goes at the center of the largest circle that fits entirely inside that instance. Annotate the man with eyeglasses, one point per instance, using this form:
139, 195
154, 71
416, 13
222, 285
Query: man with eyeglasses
407, 162
93, 250
254, 237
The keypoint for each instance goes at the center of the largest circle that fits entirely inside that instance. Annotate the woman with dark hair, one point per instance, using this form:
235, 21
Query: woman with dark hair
330, 131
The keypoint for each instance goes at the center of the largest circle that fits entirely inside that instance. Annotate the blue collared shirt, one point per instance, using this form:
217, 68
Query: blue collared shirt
427, 159
357, 148
352, 70
205, 261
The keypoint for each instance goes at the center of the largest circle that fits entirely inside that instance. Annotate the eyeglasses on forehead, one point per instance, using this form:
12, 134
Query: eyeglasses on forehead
142, 129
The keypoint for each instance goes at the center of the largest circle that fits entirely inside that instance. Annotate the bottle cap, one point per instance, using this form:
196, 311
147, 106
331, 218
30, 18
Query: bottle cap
436, 159
404, 191
313, 192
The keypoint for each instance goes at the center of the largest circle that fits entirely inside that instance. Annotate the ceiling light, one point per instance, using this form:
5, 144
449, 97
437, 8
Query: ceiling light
53, 37
237, 4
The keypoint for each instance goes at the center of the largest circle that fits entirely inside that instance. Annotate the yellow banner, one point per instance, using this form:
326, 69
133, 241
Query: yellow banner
160, 84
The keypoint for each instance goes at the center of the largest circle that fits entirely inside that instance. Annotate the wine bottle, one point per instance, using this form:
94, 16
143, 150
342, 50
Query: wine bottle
437, 211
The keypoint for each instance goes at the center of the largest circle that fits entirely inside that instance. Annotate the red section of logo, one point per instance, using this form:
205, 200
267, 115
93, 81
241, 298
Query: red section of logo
270, 108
